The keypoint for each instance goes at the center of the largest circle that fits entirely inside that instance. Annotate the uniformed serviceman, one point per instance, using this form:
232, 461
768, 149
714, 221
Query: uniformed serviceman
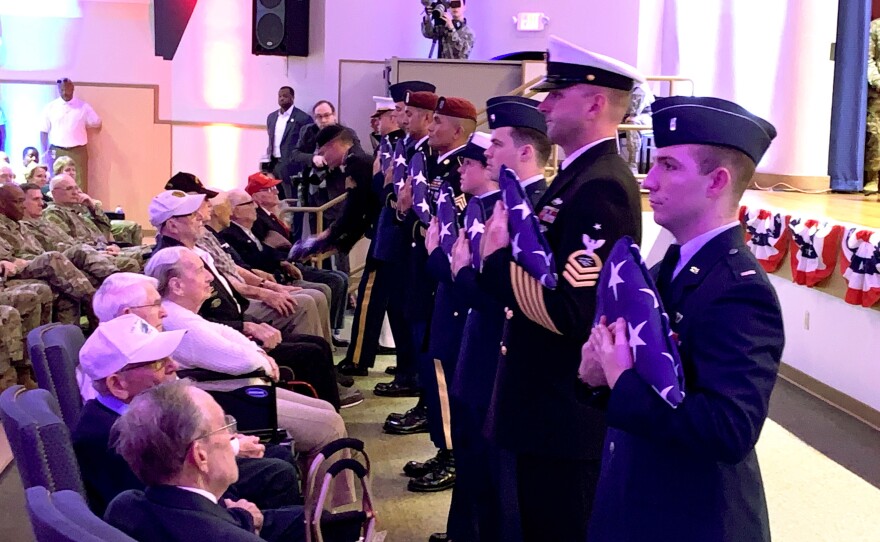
593, 201
872, 125
692, 470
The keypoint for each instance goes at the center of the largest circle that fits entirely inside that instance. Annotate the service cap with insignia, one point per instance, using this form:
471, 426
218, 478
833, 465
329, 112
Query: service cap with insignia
568, 64
690, 120
476, 147
398, 90
383, 105
515, 112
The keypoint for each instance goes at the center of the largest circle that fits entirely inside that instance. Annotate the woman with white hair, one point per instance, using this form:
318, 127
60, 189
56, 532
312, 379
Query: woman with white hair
184, 284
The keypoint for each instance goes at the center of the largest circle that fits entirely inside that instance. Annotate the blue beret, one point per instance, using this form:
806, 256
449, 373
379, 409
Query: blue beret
398, 90
515, 112
683, 120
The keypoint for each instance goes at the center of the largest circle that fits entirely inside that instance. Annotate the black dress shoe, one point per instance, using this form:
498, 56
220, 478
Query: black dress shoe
439, 537
419, 408
340, 342
439, 480
408, 425
391, 370
386, 351
393, 389
348, 368
416, 469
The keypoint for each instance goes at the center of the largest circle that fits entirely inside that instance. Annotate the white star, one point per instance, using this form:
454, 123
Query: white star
444, 230
547, 257
514, 245
423, 205
597, 226
441, 198
651, 293
420, 179
476, 228
615, 277
634, 339
524, 209
399, 184
399, 160
385, 155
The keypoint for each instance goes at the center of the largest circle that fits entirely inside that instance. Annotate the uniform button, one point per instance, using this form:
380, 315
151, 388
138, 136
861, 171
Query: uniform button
509, 314
470, 311
414, 245
455, 313
611, 447
503, 350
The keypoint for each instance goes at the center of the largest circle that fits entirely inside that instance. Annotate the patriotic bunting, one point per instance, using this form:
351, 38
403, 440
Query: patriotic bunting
766, 236
860, 266
398, 175
814, 247
447, 216
627, 291
421, 198
530, 249
475, 226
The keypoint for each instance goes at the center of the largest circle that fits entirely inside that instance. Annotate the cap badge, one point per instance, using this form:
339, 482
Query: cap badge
591, 77
178, 194
492, 117
672, 124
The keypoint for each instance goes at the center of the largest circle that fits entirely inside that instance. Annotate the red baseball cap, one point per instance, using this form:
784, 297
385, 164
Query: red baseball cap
260, 181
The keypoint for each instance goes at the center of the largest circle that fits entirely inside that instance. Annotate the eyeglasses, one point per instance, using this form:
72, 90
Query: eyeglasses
271, 190
149, 305
151, 365
231, 427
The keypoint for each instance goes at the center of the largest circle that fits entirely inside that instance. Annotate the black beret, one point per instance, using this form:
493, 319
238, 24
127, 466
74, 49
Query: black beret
329, 133
515, 112
683, 120
398, 90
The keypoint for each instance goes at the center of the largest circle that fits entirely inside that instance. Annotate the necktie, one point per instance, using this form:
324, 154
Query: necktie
280, 223
667, 267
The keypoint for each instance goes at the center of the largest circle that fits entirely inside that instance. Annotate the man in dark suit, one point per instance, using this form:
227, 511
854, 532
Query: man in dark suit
176, 439
119, 358
284, 126
535, 413
692, 470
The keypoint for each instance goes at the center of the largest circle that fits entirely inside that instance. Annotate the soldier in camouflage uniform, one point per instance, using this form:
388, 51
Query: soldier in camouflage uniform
74, 217
872, 136
24, 305
39, 231
11, 346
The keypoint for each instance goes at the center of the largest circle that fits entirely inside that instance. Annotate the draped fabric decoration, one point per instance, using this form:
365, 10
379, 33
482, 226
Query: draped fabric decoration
386, 154
530, 249
421, 195
475, 226
626, 290
814, 248
398, 175
860, 266
447, 216
767, 236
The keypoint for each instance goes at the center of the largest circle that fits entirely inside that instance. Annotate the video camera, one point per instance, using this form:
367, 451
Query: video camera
439, 8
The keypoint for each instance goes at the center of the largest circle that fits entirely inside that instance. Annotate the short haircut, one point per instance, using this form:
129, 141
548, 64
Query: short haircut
221, 198
27, 150
741, 167
29, 186
292, 93
328, 102
522, 135
62, 162
57, 179
155, 433
29, 174
164, 266
118, 292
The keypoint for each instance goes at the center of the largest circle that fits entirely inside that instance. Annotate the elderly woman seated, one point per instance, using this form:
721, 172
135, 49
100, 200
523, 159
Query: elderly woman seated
184, 285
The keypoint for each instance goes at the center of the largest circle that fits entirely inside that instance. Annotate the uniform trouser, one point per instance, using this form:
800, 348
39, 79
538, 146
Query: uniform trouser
373, 301
311, 361
80, 155
407, 373
572, 482
338, 283
435, 377
313, 424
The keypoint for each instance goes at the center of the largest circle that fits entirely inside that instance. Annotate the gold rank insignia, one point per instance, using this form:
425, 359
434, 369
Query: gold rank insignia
583, 266
460, 202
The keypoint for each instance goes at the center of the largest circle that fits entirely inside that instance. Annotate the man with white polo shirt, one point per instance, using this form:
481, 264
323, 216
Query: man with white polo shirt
64, 130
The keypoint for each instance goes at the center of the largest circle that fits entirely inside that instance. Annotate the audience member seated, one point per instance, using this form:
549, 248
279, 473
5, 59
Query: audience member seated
179, 220
76, 213
185, 284
7, 175
123, 358
181, 446
272, 231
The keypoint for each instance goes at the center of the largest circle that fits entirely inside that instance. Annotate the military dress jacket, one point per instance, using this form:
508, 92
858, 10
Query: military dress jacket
535, 408
692, 470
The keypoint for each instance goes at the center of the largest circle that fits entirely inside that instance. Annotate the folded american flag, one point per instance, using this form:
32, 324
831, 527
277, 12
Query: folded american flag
419, 172
626, 290
530, 249
447, 216
398, 174
475, 225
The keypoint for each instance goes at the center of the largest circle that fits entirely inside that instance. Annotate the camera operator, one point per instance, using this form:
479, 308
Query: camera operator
444, 22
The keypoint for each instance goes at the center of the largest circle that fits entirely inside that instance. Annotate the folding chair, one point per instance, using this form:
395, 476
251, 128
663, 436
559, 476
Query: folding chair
348, 526
51, 525
54, 350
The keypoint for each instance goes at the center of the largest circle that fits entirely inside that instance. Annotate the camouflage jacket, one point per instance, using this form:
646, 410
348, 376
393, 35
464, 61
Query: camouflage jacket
20, 242
77, 222
49, 234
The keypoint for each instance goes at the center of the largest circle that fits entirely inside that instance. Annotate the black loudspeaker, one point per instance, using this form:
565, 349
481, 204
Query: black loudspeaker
281, 28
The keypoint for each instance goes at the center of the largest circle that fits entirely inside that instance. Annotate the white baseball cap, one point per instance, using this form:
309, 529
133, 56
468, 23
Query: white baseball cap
125, 340
171, 203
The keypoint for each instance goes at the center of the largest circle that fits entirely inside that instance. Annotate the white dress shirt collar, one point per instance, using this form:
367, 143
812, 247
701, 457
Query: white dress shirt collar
576, 154
531, 180
446, 155
419, 142
489, 193
206, 494
692, 247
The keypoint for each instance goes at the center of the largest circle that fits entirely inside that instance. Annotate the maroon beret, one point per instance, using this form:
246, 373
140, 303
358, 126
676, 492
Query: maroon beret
456, 107
423, 100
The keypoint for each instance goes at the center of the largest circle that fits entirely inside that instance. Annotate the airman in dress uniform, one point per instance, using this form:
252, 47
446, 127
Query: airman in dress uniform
692, 470
594, 200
